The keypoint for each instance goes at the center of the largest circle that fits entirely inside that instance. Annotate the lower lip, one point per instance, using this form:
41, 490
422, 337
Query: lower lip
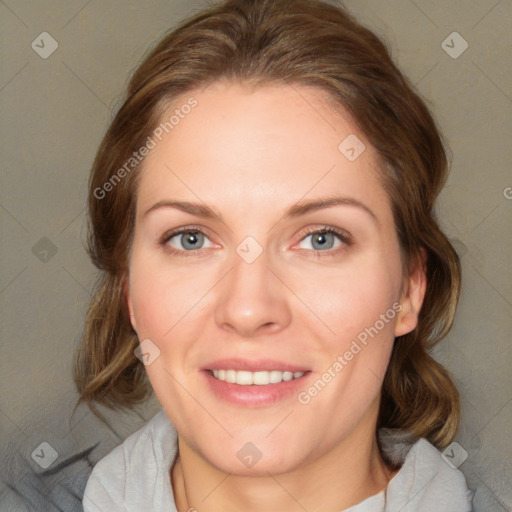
255, 395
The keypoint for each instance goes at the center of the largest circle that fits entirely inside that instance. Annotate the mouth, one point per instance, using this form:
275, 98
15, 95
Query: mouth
252, 384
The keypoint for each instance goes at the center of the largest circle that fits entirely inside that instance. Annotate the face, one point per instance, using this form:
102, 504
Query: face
262, 253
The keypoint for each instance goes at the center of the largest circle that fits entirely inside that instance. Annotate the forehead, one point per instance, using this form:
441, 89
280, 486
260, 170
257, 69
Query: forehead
258, 147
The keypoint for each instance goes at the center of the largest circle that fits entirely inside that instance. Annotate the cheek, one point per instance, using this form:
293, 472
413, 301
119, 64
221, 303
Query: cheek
149, 307
160, 296
352, 297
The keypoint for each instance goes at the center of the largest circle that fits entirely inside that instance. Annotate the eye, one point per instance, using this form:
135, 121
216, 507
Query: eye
325, 239
186, 240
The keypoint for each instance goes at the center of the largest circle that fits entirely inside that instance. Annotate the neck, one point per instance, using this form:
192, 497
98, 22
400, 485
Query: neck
349, 473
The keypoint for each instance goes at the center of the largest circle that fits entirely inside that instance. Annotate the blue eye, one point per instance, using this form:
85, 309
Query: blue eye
186, 240
324, 239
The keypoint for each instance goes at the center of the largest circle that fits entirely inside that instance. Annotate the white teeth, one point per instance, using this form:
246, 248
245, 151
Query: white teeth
261, 378
245, 378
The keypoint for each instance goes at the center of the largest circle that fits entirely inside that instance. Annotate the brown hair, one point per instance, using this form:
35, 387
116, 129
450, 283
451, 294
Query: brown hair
302, 42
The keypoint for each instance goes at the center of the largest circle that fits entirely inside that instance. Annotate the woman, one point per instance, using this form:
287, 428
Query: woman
261, 212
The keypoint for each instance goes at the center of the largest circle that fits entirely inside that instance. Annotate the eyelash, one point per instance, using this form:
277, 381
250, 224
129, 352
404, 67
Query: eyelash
344, 237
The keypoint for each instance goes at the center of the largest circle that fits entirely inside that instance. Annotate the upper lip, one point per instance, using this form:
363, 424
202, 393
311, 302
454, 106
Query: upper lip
253, 365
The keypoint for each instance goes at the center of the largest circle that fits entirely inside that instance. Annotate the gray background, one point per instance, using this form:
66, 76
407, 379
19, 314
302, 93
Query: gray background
54, 113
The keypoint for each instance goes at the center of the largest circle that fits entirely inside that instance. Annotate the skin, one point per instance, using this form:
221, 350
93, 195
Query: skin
251, 154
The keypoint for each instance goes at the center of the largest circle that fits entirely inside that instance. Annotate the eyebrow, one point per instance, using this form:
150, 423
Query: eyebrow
319, 204
297, 210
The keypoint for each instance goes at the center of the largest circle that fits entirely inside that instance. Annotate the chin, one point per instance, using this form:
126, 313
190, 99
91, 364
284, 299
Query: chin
243, 457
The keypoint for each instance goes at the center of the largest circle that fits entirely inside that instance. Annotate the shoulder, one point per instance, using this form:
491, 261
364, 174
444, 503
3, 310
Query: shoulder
426, 479
140, 461
435, 468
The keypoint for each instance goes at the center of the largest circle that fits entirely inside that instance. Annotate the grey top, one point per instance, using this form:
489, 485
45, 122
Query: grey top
135, 476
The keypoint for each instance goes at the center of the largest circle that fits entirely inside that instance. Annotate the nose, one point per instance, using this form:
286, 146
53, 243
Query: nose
252, 299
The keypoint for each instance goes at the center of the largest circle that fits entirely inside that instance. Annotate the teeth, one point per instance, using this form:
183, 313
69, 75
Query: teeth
245, 378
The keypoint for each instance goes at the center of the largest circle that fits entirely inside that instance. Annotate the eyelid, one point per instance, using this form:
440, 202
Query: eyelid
344, 235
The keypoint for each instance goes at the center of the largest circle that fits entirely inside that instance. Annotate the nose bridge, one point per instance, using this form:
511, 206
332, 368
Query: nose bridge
252, 298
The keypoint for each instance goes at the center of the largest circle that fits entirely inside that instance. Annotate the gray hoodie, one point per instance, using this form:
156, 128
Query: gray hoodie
134, 477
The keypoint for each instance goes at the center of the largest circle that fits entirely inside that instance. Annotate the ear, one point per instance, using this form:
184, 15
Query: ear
128, 299
413, 293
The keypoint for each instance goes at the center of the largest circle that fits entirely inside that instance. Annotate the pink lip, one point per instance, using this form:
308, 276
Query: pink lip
253, 366
255, 395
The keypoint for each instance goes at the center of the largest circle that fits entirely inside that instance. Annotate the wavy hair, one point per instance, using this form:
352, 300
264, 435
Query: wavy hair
294, 42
